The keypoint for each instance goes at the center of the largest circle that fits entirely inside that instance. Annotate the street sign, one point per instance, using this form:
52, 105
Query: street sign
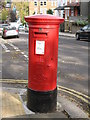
8, 5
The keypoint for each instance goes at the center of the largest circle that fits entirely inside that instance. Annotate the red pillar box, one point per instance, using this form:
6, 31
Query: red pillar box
43, 56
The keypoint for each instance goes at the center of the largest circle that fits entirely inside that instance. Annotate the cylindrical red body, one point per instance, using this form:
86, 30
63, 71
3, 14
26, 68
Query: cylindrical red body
43, 52
42, 67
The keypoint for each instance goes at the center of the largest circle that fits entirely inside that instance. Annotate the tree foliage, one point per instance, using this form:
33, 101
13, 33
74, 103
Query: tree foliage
49, 11
2, 4
12, 16
4, 14
23, 8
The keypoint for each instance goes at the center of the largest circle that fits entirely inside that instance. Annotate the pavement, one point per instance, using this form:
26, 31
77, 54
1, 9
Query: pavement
66, 34
60, 34
14, 100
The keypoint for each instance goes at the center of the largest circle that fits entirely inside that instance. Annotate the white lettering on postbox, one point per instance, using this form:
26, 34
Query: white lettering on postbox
40, 47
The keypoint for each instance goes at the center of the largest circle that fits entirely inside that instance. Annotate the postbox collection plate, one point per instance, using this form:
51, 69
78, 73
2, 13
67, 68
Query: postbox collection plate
40, 47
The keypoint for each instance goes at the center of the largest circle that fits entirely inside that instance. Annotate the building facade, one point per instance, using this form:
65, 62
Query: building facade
41, 6
84, 9
68, 8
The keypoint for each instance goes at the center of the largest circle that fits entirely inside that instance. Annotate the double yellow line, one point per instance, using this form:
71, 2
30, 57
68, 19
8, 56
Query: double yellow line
13, 81
77, 94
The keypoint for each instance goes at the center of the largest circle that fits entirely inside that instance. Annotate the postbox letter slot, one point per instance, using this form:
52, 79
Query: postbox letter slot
40, 34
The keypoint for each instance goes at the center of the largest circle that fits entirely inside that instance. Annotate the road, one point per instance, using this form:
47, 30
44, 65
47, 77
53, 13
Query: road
73, 64
72, 61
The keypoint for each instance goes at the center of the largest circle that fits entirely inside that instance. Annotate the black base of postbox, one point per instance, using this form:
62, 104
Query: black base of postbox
42, 102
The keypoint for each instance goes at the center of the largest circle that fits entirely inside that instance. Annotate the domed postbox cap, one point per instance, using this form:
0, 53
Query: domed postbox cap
44, 19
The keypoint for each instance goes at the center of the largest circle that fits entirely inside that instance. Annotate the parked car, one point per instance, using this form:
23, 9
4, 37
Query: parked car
26, 28
83, 33
10, 31
1, 27
14, 24
21, 28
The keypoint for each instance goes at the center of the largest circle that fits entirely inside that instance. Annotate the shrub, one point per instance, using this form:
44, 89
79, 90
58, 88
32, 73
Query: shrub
80, 23
49, 11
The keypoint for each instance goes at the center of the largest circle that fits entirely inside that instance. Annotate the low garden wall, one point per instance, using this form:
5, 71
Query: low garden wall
75, 28
72, 27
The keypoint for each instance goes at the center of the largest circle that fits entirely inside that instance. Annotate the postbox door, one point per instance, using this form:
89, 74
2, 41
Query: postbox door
42, 61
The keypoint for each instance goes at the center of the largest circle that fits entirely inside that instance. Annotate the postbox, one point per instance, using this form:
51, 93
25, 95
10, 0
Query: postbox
42, 64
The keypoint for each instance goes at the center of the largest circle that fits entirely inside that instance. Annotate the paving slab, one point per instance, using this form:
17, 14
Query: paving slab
11, 104
71, 108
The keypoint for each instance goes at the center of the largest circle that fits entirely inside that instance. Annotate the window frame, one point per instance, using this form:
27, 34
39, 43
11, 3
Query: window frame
35, 3
45, 3
41, 3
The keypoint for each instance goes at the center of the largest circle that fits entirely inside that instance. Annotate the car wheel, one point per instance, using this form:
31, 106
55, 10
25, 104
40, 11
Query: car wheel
17, 36
3, 37
77, 37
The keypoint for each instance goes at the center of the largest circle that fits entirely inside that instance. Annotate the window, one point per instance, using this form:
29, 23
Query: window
41, 11
55, 3
45, 10
51, 3
35, 3
41, 3
68, 12
55, 12
69, 1
35, 11
45, 3
72, 12
78, 10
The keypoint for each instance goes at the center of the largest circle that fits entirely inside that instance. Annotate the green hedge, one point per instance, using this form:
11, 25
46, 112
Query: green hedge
80, 23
